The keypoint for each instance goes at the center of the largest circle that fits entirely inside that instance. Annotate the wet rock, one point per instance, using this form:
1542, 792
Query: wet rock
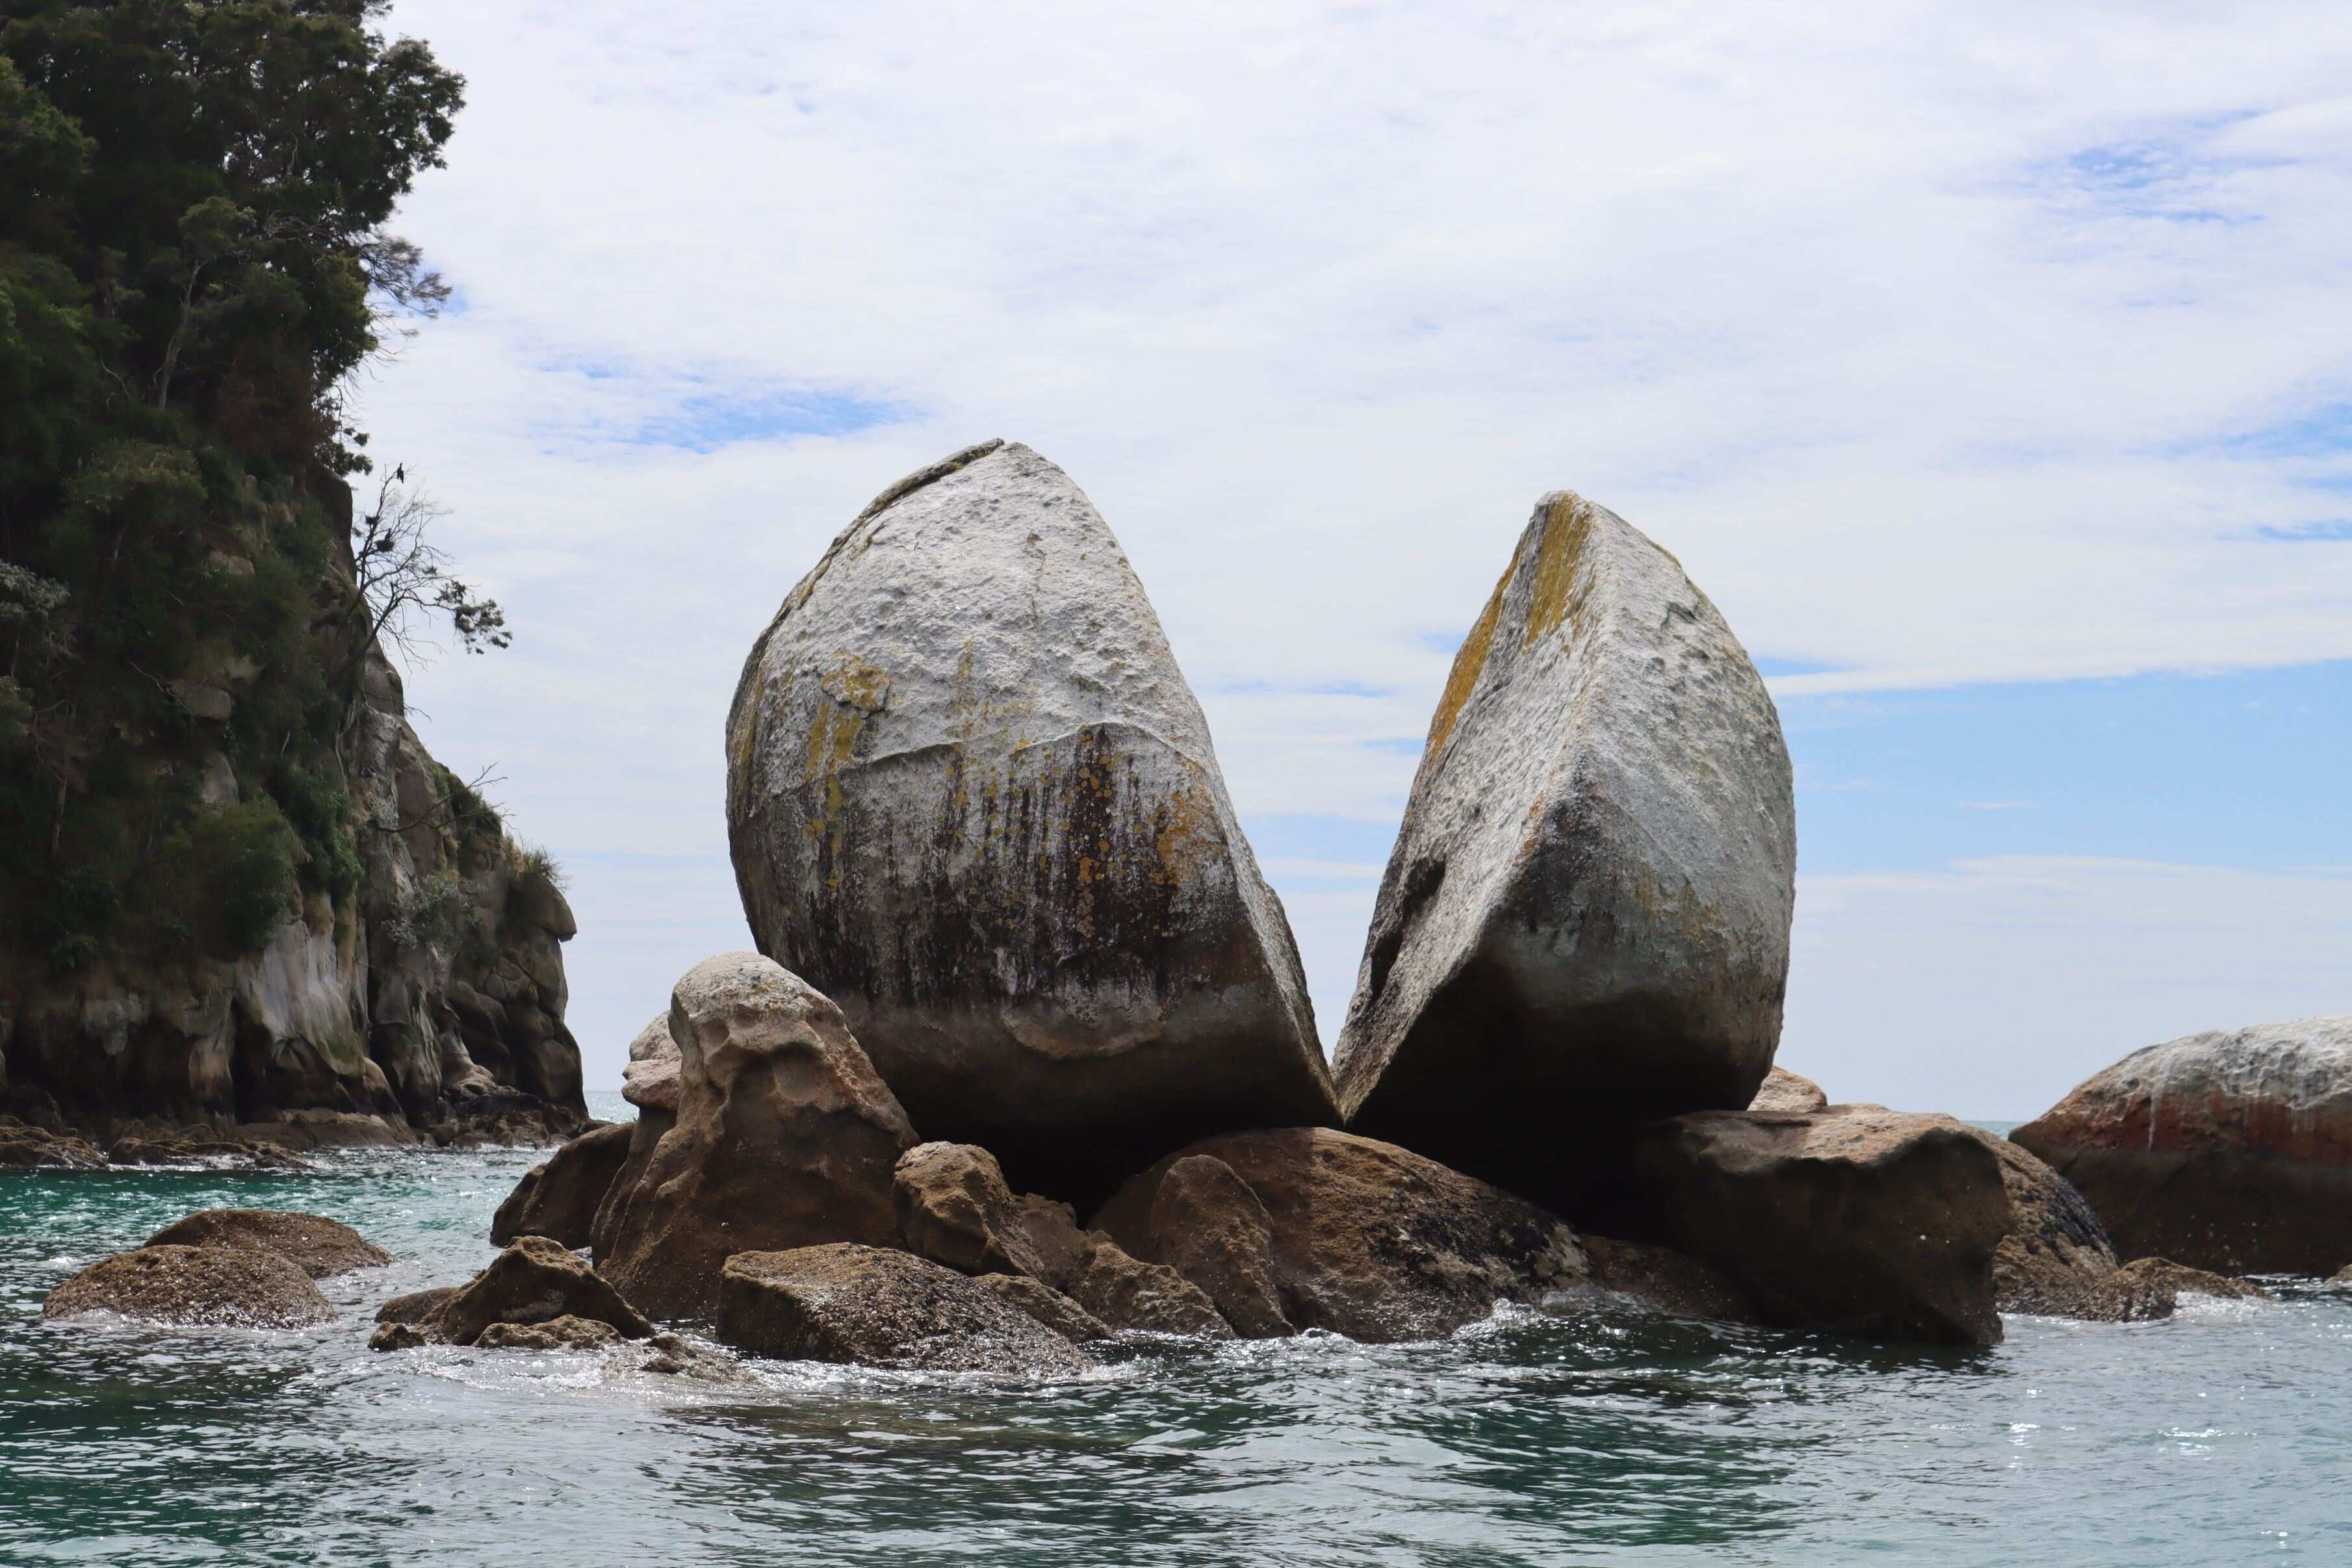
1209, 1226
955, 1208
1584, 923
2149, 1288
416, 1306
971, 796
319, 1246
785, 1137
560, 1199
875, 1306
31, 1148
213, 1287
672, 1355
2230, 1150
1787, 1092
2055, 1249
1365, 1238
1856, 1220
535, 1281
1047, 1305
402, 1336
2342, 1276
1666, 1280
216, 1153
565, 1333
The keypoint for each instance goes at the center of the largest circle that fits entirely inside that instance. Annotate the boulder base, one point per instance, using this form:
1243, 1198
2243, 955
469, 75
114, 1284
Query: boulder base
318, 1245
1343, 1233
211, 1287
565, 1333
1666, 1280
875, 1306
2150, 1287
1584, 923
560, 1199
2055, 1250
2229, 1151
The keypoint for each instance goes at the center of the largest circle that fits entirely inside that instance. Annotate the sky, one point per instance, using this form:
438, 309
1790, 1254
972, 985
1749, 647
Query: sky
1988, 364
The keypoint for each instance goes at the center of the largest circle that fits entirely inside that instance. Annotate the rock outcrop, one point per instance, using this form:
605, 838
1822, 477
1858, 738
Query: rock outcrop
1856, 1220
35, 1148
649, 1082
208, 1286
2150, 1287
955, 1208
786, 1138
1584, 923
970, 797
875, 1306
319, 1246
1307, 1227
533, 1283
2055, 1251
561, 1198
2229, 1151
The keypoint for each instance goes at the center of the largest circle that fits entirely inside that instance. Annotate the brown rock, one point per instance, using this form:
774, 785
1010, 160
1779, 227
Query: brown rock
214, 1287
1786, 1092
786, 1138
319, 1246
532, 1281
30, 1148
1367, 1240
644, 1136
1208, 1225
2150, 1287
209, 1151
2055, 1249
402, 1336
1666, 1280
875, 1306
1047, 1305
416, 1306
2342, 1276
955, 1208
2230, 1150
1855, 1221
560, 1199
566, 1332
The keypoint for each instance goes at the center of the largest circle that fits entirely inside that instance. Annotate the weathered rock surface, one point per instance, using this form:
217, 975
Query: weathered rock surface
1787, 1092
971, 798
2230, 1150
650, 1084
560, 1199
213, 1286
2055, 1250
565, 1333
955, 1208
532, 1282
875, 1306
416, 1306
1856, 1220
1584, 923
786, 1138
210, 1153
318, 1245
2149, 1288
2342, 1276
1351, 1235
33, 1148
1047, 1305
1666, 1280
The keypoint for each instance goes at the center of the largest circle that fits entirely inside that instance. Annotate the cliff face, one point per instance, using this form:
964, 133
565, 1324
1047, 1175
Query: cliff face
424, 1003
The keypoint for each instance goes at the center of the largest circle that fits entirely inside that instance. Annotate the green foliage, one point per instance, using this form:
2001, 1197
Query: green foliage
437, 913
193, 262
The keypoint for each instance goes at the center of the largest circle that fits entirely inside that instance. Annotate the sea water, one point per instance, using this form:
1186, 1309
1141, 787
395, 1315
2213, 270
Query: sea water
1591, 1433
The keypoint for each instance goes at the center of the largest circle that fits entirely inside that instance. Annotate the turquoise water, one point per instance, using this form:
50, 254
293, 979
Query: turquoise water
1587, 1436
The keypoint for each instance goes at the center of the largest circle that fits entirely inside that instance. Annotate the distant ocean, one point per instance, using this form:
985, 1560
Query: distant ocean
1588, 1434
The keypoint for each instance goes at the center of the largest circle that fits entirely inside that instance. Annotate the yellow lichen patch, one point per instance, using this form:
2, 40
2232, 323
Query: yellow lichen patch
855, 683
1568, 529
1468, 661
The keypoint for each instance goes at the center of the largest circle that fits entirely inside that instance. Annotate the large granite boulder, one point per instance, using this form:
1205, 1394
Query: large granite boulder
1584, 923
2230, 1150
875, 1306
1856, 1220
956, 1209
1305, 1228
318, 1245
971, 798
561, 1198
209, 1287
786, 1138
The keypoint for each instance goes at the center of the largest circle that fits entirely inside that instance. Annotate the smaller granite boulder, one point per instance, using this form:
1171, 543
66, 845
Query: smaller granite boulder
565, 1333
1786, 1092
1047, 1305
785, 1137
2150, 1287
533, 1281
416, 1306
875, 1306
319, 1246
210, 1287
1856, 1220
560, 1199
1342, 1233
955, 1208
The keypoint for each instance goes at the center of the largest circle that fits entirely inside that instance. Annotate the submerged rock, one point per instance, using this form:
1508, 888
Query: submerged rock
1784, 1090
785, 1137
1341, 1232
33, 1148
318, 1245
955, 1208
533, 1283
2149, 1288
211, 1287
1857, 1220
1666, 1281
2230, 1150
565, 1333
1584, 923
560, 1199
416, 1306
875, 1306
971, 796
